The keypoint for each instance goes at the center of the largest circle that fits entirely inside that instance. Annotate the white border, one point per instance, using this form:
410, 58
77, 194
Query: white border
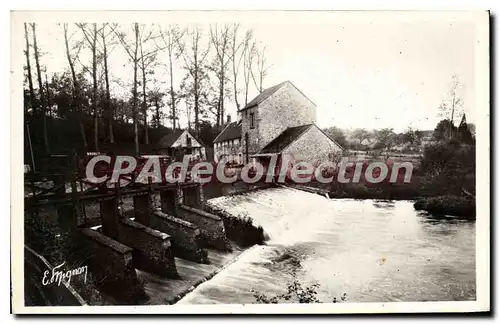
480, 18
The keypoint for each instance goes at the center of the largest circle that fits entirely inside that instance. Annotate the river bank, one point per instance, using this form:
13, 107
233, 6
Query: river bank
464, 207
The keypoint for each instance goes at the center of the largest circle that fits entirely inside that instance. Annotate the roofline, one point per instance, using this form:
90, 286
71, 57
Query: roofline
270, 95
302, 93
222, 131
343, 149
196, 138
300, 135
282, 83
180, 134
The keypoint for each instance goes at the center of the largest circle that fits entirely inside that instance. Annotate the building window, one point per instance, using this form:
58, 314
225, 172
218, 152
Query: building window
188, 140
252, 120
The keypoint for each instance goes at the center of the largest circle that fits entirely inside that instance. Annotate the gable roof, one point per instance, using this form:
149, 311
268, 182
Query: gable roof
287, 137
266, 93
169, 139
290, 135
231, 131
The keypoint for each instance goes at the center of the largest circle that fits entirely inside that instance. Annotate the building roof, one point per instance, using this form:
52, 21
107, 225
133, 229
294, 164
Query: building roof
266, 93
231, 131
286, 138
169, 139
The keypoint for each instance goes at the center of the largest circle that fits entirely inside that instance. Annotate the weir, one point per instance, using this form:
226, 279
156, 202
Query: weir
186, 237
139, 235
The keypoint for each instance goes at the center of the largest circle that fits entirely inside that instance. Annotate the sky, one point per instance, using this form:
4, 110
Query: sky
369, 72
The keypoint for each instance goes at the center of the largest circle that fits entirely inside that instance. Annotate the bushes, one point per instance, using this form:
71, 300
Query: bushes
295, 292
239, 228
448, 205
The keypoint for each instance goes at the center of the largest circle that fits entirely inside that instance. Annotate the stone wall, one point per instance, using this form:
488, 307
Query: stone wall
52, 294
186, 237
152, 248
210, 225
314, 147
111, 265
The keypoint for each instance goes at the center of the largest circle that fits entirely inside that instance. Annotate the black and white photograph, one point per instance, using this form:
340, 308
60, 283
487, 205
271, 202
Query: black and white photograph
253, 162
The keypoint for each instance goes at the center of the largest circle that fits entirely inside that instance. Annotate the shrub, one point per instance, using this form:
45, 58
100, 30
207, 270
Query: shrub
448, 205
295, 292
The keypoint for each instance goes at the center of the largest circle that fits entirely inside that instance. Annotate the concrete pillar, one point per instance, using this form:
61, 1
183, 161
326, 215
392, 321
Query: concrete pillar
69, 216
142, 208
202, 195
109, 217
191, 196
169, 202
59, 185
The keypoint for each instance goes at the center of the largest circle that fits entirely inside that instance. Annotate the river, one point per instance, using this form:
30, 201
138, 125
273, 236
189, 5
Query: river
371, 250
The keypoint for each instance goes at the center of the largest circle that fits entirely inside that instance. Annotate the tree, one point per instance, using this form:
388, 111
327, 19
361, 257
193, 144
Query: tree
146, 60
43, 103
384, 138
464, 134
106, 39
238, 53
132, 49
75, 107
172, 38
261, 67
193, 89
452, 104
360, 135
90, 33
337, 134
28, 68
220, 39
156, 100
248, 59
443, 130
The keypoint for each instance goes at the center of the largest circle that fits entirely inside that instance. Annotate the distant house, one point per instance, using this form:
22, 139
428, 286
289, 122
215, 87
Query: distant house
227, 145
180, 143
280, 120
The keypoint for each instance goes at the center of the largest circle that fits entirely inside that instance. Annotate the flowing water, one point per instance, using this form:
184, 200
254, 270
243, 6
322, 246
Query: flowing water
373, 251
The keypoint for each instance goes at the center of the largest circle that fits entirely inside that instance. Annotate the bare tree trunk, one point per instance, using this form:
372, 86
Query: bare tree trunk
144, 103
172, 94
135, 99
196, 99
49, 102
40, 86
157, 105
76, 90
109, 108
28, 67
94, 88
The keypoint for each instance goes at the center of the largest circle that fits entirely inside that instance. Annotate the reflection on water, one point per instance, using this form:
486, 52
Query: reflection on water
375, 251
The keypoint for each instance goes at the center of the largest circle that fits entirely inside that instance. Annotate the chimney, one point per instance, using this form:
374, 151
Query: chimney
228, 118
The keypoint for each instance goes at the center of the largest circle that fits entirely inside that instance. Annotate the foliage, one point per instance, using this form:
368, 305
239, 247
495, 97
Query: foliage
337, 134
295, 292
449, 168
448, 205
